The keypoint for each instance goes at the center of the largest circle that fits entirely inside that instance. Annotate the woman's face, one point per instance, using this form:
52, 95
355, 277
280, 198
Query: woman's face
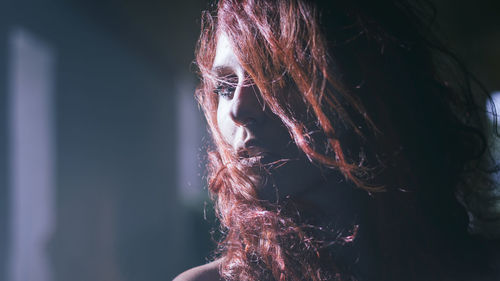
253, 131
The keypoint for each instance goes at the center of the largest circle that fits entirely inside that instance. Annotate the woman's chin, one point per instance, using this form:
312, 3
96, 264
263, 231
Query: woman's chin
288, 179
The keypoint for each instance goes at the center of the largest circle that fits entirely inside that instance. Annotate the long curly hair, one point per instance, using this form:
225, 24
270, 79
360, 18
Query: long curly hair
370, 95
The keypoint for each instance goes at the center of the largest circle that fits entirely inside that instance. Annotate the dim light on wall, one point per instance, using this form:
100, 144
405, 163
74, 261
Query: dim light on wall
31, 156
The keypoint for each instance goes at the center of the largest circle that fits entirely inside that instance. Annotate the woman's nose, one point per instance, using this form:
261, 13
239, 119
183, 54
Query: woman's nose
246, 107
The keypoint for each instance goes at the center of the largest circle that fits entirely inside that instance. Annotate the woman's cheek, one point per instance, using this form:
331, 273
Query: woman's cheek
224, 122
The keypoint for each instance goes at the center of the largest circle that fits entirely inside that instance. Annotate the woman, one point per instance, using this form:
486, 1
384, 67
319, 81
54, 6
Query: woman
343, 136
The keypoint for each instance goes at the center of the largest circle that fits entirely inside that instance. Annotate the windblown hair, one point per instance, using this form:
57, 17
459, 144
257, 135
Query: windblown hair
364, 90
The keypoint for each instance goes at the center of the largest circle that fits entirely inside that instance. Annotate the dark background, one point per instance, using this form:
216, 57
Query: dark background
128, 196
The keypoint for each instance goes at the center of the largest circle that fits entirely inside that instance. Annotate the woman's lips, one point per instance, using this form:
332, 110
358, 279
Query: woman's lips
256, 155
254, 151
253, 148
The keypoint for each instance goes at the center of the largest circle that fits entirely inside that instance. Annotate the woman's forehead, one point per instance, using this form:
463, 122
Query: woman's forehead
225, 58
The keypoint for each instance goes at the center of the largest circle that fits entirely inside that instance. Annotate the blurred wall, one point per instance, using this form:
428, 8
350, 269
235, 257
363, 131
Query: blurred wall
472, 30
3, 144
117, 205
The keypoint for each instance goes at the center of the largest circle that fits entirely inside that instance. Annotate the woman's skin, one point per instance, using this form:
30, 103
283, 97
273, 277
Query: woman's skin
206, 272
240, 115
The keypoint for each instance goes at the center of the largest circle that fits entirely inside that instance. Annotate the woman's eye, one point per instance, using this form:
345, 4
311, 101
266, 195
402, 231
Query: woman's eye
225, 90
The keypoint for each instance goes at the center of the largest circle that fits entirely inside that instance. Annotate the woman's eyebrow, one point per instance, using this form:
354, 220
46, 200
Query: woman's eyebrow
225, 73
222, 71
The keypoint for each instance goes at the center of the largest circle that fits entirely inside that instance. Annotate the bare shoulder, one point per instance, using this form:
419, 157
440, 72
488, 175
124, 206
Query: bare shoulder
206, 272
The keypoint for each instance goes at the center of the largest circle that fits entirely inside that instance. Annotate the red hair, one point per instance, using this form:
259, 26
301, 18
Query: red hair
281, 44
